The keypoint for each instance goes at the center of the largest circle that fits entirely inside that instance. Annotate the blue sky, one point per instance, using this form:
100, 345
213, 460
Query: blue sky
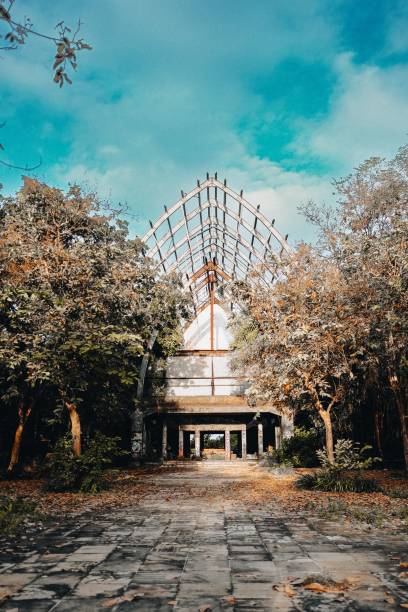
279, 96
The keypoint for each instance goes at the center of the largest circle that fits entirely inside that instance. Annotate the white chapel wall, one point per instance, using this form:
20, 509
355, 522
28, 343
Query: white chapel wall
198, 333
204, 375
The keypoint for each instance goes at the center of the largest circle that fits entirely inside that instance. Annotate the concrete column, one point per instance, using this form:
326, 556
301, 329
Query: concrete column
137, 436
278, 437
227, 444
197, 443
287, 426
260, 440
164, 441
244, 444
181, 444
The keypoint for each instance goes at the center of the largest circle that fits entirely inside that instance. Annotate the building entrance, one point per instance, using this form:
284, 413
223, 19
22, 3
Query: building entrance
213, 446
211, 441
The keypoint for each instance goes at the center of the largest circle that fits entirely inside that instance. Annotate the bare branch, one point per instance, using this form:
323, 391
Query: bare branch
25, 168
66, 42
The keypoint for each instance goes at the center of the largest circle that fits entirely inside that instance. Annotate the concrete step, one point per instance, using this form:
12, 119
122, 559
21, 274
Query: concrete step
214, 465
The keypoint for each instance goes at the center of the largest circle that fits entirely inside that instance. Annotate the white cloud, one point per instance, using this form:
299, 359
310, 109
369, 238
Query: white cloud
280, 192
108, 150
368, 116
158, 101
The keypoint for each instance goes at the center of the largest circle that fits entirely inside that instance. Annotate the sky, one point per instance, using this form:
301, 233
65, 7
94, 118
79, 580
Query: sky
278, 96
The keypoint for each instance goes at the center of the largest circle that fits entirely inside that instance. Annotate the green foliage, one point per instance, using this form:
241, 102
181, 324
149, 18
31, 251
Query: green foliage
347, 456
13, 512
86, 473
299, 450
337, 477
334, 481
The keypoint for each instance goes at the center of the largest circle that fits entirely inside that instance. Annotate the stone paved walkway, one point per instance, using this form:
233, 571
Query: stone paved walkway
202, 556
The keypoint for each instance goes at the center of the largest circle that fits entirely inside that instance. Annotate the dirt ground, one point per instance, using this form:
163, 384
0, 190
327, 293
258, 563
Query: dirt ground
229, 484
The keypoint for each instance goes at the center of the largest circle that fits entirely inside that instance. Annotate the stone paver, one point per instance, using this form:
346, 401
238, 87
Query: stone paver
199, 556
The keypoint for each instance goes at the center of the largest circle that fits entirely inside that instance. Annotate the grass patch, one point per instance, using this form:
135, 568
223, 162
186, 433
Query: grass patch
399, 493
13, 513
336, 509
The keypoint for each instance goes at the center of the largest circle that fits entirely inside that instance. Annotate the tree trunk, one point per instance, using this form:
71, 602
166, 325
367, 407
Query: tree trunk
75, 427
23, 415
402, 412
377, 429
325, 415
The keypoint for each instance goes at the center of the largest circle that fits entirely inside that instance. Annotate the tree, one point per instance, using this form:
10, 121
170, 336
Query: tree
334, 325
78, 303
367, 238
303, 340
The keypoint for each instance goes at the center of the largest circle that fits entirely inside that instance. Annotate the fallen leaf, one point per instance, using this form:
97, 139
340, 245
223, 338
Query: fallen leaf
229, 599
289, 591
320, 588
330, 587
108, 603
4, 592
286, 589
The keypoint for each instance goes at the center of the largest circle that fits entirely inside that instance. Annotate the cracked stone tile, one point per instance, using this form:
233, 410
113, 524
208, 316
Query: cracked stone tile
34, 605
74, 604
209, 576
92, 586
156, 591
11, 583
189, 604
195, 589
80, 567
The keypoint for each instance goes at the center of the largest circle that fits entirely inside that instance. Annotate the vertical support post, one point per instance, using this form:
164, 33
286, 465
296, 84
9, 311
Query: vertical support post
287, 425
164, 441
244, 444
137, 436
227, 435
181, 443
212, 314
197, 445
260, 440
138, 439
278, 437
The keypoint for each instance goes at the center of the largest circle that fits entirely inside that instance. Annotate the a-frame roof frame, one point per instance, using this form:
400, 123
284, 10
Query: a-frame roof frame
217, 228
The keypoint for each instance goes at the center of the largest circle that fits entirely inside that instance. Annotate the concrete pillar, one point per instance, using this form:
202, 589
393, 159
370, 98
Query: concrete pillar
287, 426
227, 444
164, 441
181, 443
137, 436
244, 444
197, 443
260, 440
278, 437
